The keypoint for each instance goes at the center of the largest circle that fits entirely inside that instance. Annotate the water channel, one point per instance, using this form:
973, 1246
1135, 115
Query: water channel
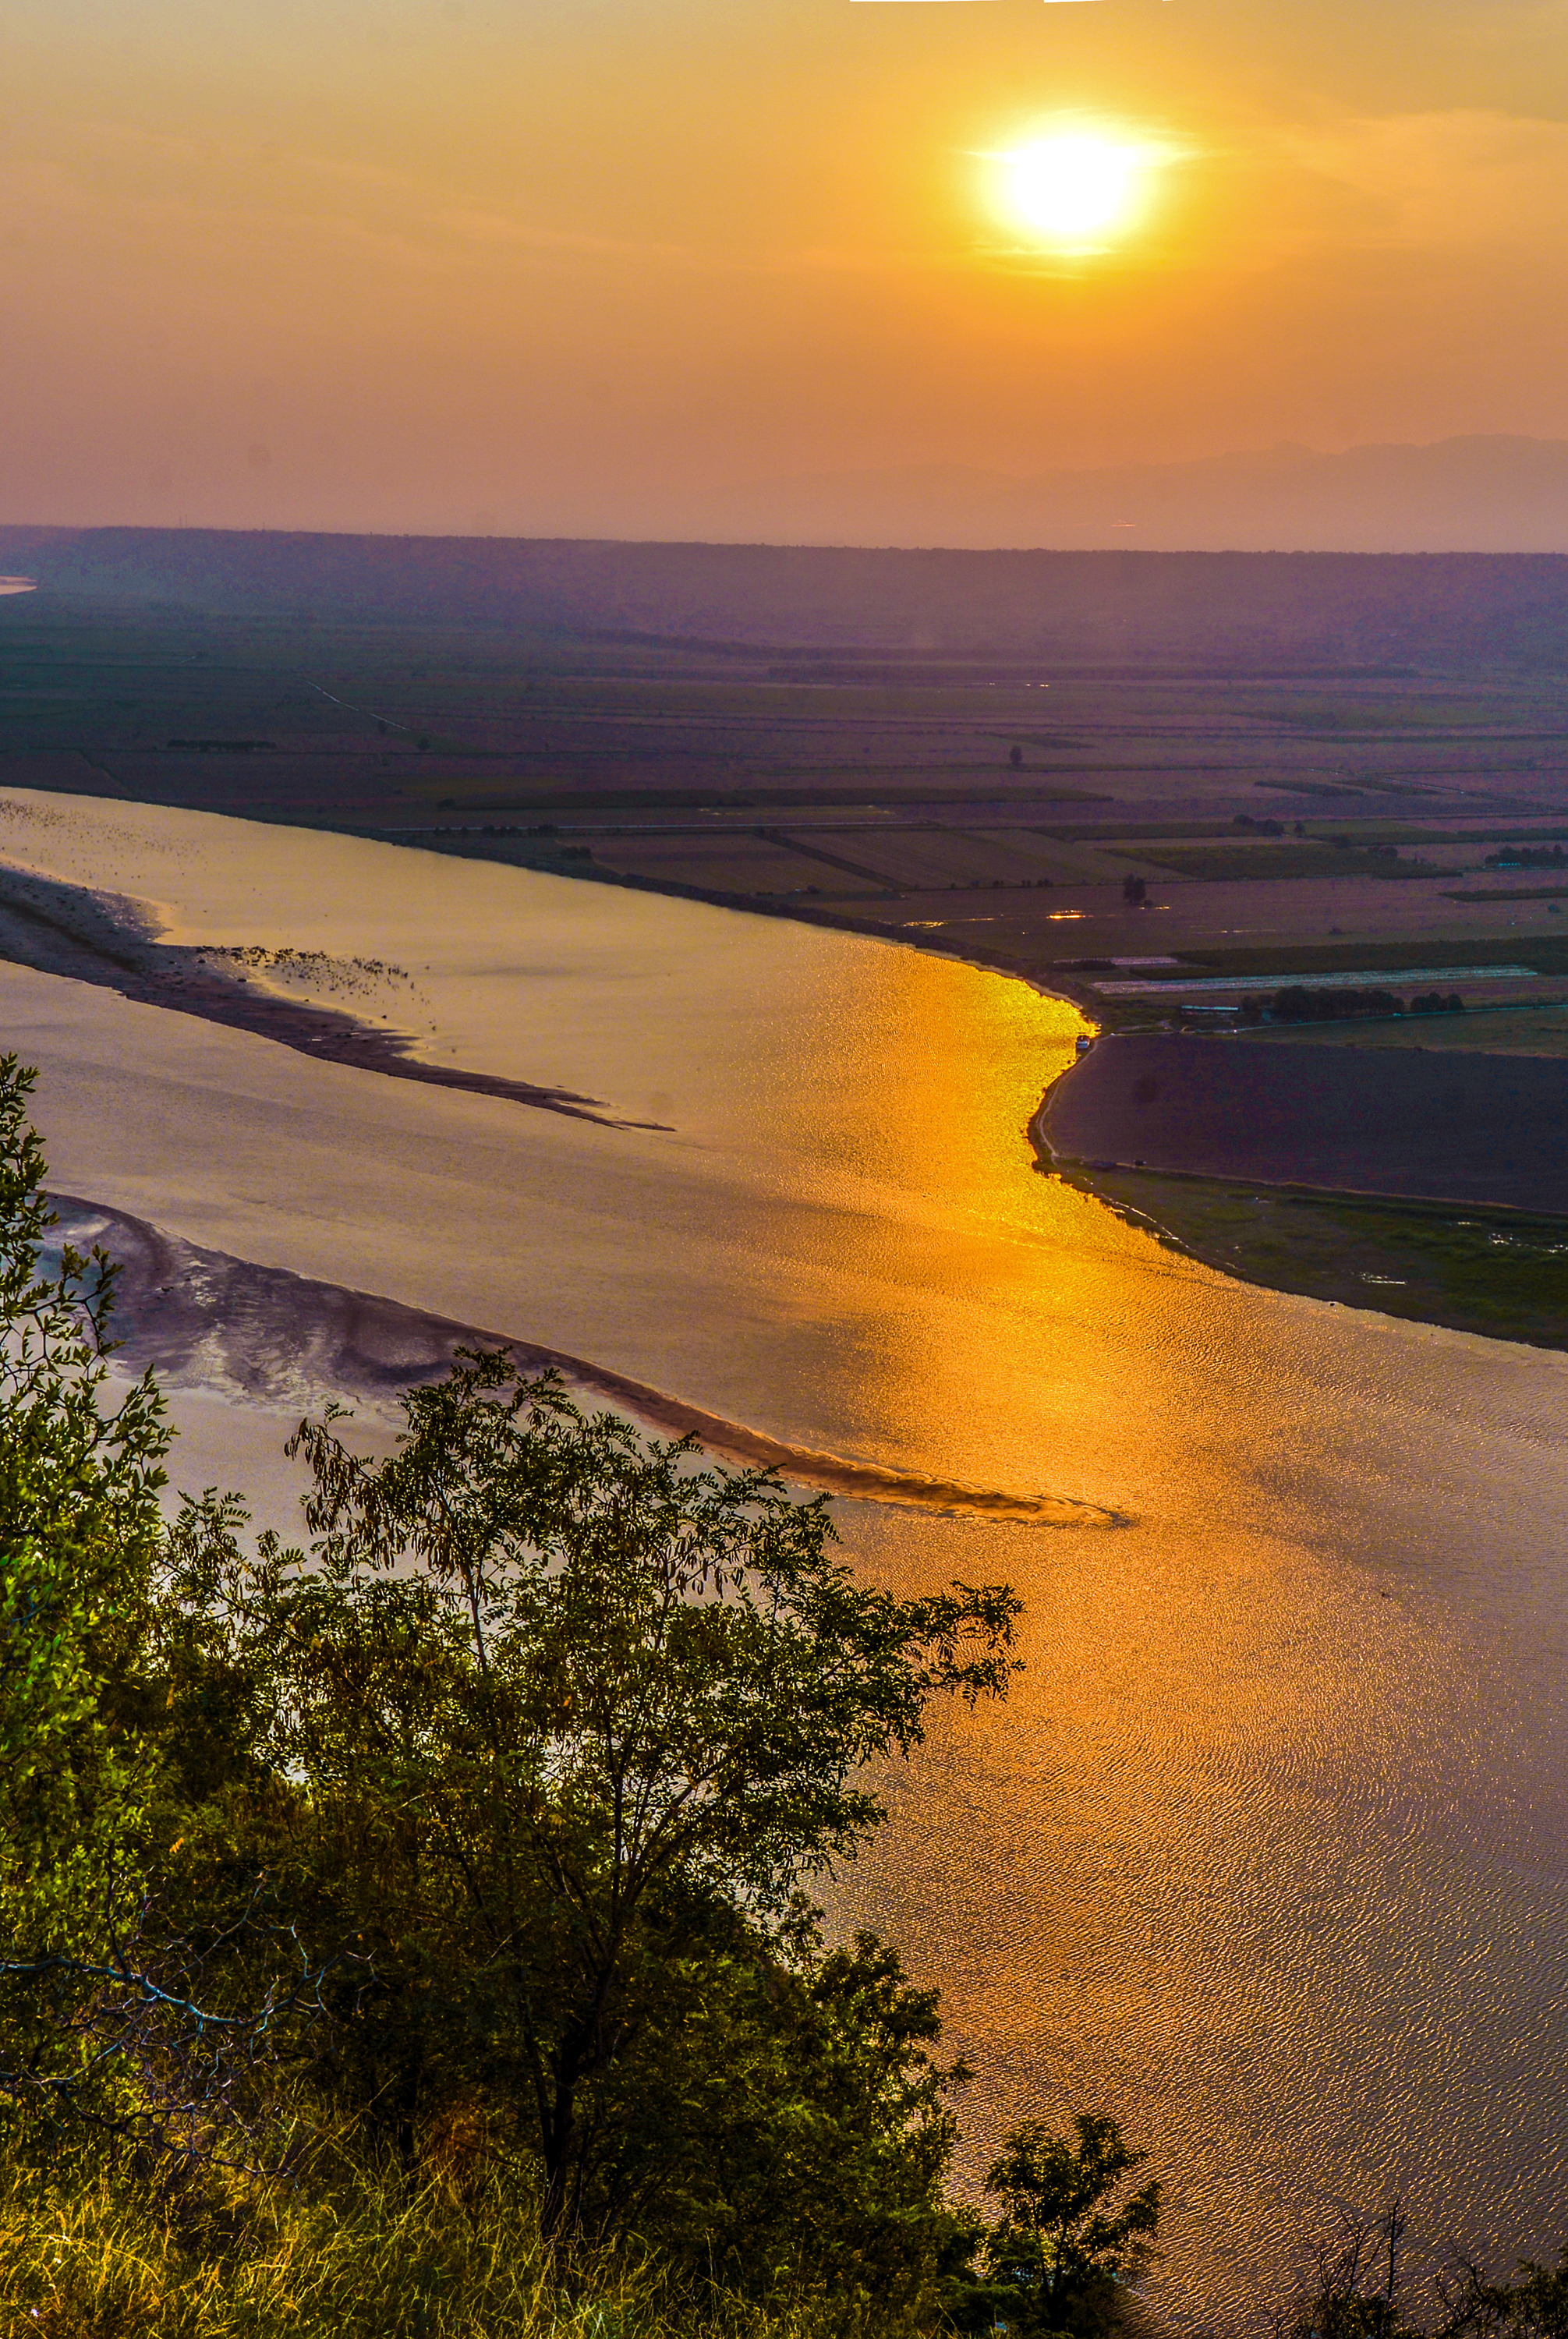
1268, 1854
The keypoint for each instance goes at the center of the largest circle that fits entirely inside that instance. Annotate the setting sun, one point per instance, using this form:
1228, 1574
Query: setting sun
1074, 188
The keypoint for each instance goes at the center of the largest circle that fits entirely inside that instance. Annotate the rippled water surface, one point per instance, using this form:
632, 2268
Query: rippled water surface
1267, 1853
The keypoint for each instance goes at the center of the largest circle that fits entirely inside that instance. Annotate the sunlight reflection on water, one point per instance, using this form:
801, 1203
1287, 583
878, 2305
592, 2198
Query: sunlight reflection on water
1266, 1854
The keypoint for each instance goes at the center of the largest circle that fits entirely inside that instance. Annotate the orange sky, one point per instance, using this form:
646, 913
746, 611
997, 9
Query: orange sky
580, 265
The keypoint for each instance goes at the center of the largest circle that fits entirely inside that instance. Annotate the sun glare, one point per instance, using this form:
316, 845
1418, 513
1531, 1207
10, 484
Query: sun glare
1074, 189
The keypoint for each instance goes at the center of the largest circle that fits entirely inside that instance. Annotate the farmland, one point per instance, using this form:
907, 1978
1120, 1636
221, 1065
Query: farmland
1309, 807
954, 810
1433, 1125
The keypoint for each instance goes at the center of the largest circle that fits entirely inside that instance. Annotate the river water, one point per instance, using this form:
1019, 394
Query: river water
1267, 1853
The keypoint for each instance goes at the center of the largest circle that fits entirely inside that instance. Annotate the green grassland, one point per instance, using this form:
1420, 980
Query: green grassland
1520, 1028
95, 2254
1504, 1273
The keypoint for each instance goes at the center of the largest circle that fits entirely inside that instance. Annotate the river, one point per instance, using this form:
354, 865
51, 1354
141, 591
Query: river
1266, 1854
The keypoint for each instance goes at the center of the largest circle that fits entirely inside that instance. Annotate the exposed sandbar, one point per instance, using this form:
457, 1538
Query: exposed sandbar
263, 1336
101, 938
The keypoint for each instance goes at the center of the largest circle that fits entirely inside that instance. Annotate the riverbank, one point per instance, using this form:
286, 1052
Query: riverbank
1504, 1273
1374, 1228
1458, 1254
1303, 1234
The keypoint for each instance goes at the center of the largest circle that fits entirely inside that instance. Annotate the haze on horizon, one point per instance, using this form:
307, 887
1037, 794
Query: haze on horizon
598, 268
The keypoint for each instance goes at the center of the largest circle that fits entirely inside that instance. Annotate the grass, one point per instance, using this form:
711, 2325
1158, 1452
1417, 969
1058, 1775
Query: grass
1504, 1273
93, 2254
1518, 1028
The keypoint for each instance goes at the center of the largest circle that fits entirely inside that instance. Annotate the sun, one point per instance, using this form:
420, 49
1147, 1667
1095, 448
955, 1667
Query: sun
1075, 189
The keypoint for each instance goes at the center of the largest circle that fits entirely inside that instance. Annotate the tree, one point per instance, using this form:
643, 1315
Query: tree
497, 1805
574, 1719
80, 1534
1061, 2245
112, 2011
788, 2116
1535, 2305
1358, 2291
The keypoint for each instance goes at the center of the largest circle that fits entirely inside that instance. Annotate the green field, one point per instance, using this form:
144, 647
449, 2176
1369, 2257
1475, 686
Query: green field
1521, 1028
1504, 1273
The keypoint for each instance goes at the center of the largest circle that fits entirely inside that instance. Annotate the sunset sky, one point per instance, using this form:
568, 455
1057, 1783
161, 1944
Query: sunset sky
580, 266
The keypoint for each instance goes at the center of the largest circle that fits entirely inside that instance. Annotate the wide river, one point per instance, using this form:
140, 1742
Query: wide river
1266, 1855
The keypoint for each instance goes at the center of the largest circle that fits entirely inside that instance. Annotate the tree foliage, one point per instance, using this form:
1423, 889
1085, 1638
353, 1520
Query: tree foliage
1064, 2242
493, 1810
1360, 2290
80, 1536
577, 1718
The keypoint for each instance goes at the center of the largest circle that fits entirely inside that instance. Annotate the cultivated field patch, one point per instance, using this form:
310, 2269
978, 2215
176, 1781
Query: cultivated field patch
725, 865
1407, 1123
1228, 862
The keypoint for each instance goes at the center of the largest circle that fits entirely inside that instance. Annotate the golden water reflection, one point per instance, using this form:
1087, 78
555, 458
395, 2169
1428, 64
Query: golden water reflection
1267, 1853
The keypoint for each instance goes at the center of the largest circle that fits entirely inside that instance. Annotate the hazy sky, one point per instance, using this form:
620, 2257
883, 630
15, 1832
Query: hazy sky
576, 265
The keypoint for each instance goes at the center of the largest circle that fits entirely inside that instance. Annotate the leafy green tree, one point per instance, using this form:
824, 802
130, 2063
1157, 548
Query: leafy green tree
1062, 2245
114, 2009
80, 1536
786, 2122
497, 1806
575, 1720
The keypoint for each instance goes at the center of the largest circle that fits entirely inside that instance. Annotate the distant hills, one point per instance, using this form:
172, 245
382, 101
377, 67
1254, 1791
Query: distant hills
1235, 610
1460, 495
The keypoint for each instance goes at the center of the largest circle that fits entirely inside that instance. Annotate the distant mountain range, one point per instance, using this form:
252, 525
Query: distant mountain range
1235, 611
1459, 494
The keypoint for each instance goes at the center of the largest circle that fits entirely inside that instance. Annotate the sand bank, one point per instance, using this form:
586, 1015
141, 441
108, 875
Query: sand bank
263, 1336
108, 938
